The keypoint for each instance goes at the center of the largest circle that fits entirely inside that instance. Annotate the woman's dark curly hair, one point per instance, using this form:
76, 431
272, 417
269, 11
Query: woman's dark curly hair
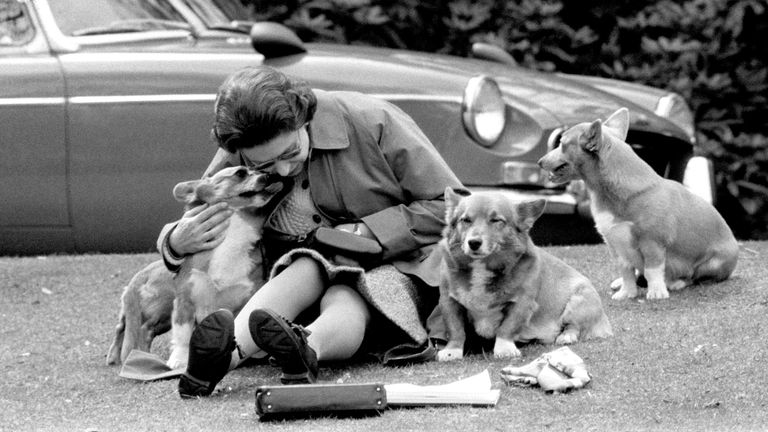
256, 104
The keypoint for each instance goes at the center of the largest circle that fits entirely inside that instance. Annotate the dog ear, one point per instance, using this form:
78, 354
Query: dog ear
528, 212
618, 124
185, 191
592, 139
451, 201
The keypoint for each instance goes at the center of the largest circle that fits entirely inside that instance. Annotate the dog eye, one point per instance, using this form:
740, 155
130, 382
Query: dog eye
241, 173
465, 220
498, 221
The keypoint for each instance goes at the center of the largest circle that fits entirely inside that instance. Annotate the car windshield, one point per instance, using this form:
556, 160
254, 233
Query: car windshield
208, 11
92, 17
220, 14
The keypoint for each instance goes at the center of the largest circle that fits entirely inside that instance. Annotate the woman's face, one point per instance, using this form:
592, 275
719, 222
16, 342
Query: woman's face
283, 155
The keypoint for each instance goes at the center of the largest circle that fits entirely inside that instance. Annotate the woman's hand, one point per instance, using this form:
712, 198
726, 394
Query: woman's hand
200, 228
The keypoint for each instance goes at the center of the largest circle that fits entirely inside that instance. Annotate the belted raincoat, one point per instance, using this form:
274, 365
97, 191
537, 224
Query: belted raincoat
370, 162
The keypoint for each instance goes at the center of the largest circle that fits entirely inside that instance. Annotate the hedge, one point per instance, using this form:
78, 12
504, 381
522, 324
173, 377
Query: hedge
713, 52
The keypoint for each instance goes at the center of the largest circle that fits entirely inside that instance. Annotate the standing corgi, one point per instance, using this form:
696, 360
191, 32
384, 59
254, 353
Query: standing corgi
654, 227
496, 279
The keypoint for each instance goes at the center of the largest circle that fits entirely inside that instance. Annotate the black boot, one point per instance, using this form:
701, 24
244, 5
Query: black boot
287, 343
210, 352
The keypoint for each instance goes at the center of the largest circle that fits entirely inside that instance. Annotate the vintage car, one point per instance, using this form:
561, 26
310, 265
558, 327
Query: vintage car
106, 104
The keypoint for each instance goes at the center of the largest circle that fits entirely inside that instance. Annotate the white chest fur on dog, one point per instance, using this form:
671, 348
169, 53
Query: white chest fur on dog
479, 278
482, 307
604, 219
230, 263
476, 297
618, 234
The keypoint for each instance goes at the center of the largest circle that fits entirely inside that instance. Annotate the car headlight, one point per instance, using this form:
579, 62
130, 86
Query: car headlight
483, 110
673, 107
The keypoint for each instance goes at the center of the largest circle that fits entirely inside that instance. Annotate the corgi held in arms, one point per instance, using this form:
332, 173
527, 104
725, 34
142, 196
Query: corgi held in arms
495, 279
654, 227
226, 276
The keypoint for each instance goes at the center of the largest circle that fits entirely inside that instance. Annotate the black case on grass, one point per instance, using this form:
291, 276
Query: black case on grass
308, 399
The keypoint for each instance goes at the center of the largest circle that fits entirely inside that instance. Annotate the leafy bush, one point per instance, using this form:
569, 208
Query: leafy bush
712, 52
706, 50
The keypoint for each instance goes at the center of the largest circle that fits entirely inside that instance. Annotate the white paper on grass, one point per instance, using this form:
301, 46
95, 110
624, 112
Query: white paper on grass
473, 390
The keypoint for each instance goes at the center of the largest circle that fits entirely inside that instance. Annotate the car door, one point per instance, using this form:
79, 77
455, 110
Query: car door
139, 123
34, 215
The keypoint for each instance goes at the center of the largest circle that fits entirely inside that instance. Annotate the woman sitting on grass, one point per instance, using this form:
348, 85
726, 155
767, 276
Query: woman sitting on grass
353, 163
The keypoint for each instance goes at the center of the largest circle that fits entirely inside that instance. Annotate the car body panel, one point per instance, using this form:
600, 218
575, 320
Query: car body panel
36, 138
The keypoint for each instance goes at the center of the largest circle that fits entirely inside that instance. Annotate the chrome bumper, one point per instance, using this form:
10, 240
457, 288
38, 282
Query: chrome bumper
698, 177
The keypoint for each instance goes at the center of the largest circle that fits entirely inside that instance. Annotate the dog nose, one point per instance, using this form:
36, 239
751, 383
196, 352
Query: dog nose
474, 244
541, 162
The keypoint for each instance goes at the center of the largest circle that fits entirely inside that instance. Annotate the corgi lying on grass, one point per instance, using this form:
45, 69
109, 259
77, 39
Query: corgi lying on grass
654, 227
495, 279
226, 276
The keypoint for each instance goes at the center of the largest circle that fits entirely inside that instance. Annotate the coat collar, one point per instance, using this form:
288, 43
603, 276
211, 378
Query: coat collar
328, 130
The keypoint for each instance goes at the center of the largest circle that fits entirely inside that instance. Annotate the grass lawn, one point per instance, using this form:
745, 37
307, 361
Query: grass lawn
696, 361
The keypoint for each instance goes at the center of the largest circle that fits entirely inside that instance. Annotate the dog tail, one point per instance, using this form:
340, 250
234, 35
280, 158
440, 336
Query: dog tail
128, 328
145, 312
113, 355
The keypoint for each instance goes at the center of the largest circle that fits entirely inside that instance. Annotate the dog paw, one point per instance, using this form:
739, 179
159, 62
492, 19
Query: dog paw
623, 294
507, 353
658, 293
176, 364
450, 354
178, 359
505, 349
566, 338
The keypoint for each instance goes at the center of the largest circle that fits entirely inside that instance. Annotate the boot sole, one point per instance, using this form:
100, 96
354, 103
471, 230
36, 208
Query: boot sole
256, 321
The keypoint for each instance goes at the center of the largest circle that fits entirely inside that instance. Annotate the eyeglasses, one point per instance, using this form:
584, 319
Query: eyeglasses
291, 152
